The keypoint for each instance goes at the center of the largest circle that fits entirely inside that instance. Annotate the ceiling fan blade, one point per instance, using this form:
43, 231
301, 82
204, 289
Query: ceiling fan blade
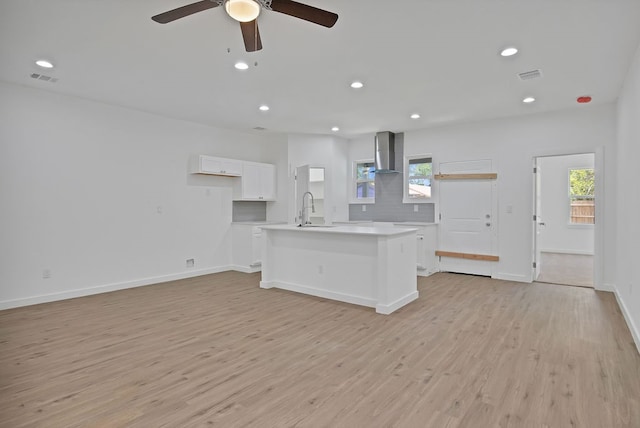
306, 12
183, 11
251, 36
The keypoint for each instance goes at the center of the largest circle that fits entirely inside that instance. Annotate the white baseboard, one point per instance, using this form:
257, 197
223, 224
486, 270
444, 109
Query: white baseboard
81, 292
245, 269
387, 309
347, 298
426, 272
606, 287
511, 277
635, 332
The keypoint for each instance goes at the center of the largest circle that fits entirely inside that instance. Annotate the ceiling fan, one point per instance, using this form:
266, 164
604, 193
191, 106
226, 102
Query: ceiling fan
246, 13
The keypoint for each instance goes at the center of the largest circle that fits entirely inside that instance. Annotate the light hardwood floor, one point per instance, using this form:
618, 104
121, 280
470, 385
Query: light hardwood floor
218, 351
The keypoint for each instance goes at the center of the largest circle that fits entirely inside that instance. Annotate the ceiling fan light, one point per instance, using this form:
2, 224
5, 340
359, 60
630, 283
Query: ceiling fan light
44, 63
242, 10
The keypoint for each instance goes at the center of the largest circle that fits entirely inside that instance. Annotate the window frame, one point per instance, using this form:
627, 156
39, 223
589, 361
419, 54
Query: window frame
406, 199
570, 224
353, 198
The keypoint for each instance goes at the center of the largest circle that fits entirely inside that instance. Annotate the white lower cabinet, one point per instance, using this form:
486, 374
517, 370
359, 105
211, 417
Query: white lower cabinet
426, 236
426, 245
246, 247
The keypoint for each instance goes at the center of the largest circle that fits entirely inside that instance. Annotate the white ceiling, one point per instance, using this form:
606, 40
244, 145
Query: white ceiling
435, 57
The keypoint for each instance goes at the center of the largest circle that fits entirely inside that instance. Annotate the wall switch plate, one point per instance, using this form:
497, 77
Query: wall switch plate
364, 208
509, 209
46, 273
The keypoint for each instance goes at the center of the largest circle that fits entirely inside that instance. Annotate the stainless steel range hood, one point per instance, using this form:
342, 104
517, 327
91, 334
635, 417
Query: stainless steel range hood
385, 152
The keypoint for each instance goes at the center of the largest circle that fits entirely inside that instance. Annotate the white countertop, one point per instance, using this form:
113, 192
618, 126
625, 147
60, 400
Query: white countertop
415, 223
345, 229
257, 223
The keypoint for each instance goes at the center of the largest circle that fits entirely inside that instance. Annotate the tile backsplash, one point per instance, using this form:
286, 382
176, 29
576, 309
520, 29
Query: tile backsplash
249, 211
389, 190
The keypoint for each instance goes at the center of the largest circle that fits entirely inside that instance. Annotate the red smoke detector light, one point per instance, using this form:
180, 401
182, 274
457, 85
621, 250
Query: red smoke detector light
583, 100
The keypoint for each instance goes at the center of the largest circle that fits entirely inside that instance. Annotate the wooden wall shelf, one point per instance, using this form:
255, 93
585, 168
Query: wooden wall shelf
479, 176
467, 256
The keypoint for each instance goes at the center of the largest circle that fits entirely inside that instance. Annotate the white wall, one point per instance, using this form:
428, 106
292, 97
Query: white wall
628, 206
324, 151
100, 196
558, 235
511, 144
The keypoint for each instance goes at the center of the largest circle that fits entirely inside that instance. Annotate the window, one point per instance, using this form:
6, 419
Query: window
582, 196
365, 185
418, 175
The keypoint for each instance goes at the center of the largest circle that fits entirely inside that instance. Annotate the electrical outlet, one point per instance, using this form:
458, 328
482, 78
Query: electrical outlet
46, 273
415, 208
364, 208
320, 269
191, 263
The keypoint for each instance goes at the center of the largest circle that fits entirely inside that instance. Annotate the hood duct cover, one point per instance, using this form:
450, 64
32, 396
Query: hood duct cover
385, 156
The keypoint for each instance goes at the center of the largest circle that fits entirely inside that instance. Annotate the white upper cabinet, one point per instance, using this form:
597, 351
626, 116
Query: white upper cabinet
203, 164
258, 183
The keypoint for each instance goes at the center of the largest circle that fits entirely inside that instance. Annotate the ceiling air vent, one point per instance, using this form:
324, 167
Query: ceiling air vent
528, 75
44, 77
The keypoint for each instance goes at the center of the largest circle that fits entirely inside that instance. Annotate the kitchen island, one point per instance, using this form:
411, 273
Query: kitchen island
368, 266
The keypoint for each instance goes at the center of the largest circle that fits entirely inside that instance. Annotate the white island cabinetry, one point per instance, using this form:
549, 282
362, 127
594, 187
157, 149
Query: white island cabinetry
258, 183
369, 266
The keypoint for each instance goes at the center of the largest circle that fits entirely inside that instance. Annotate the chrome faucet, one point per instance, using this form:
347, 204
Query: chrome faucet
304, 217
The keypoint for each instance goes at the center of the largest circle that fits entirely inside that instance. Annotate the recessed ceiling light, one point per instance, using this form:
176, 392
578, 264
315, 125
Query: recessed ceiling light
264, 107
357, 85
528, 100
415, 116
241, 65
44, 63
510, 51
335, 129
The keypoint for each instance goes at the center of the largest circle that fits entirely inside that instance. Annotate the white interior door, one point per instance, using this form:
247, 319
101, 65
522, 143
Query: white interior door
537, 219
467, 222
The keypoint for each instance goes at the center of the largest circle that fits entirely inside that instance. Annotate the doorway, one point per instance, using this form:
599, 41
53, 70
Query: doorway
565, 219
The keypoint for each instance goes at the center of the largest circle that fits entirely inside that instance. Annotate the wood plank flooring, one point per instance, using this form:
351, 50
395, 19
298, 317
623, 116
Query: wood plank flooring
218, 351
